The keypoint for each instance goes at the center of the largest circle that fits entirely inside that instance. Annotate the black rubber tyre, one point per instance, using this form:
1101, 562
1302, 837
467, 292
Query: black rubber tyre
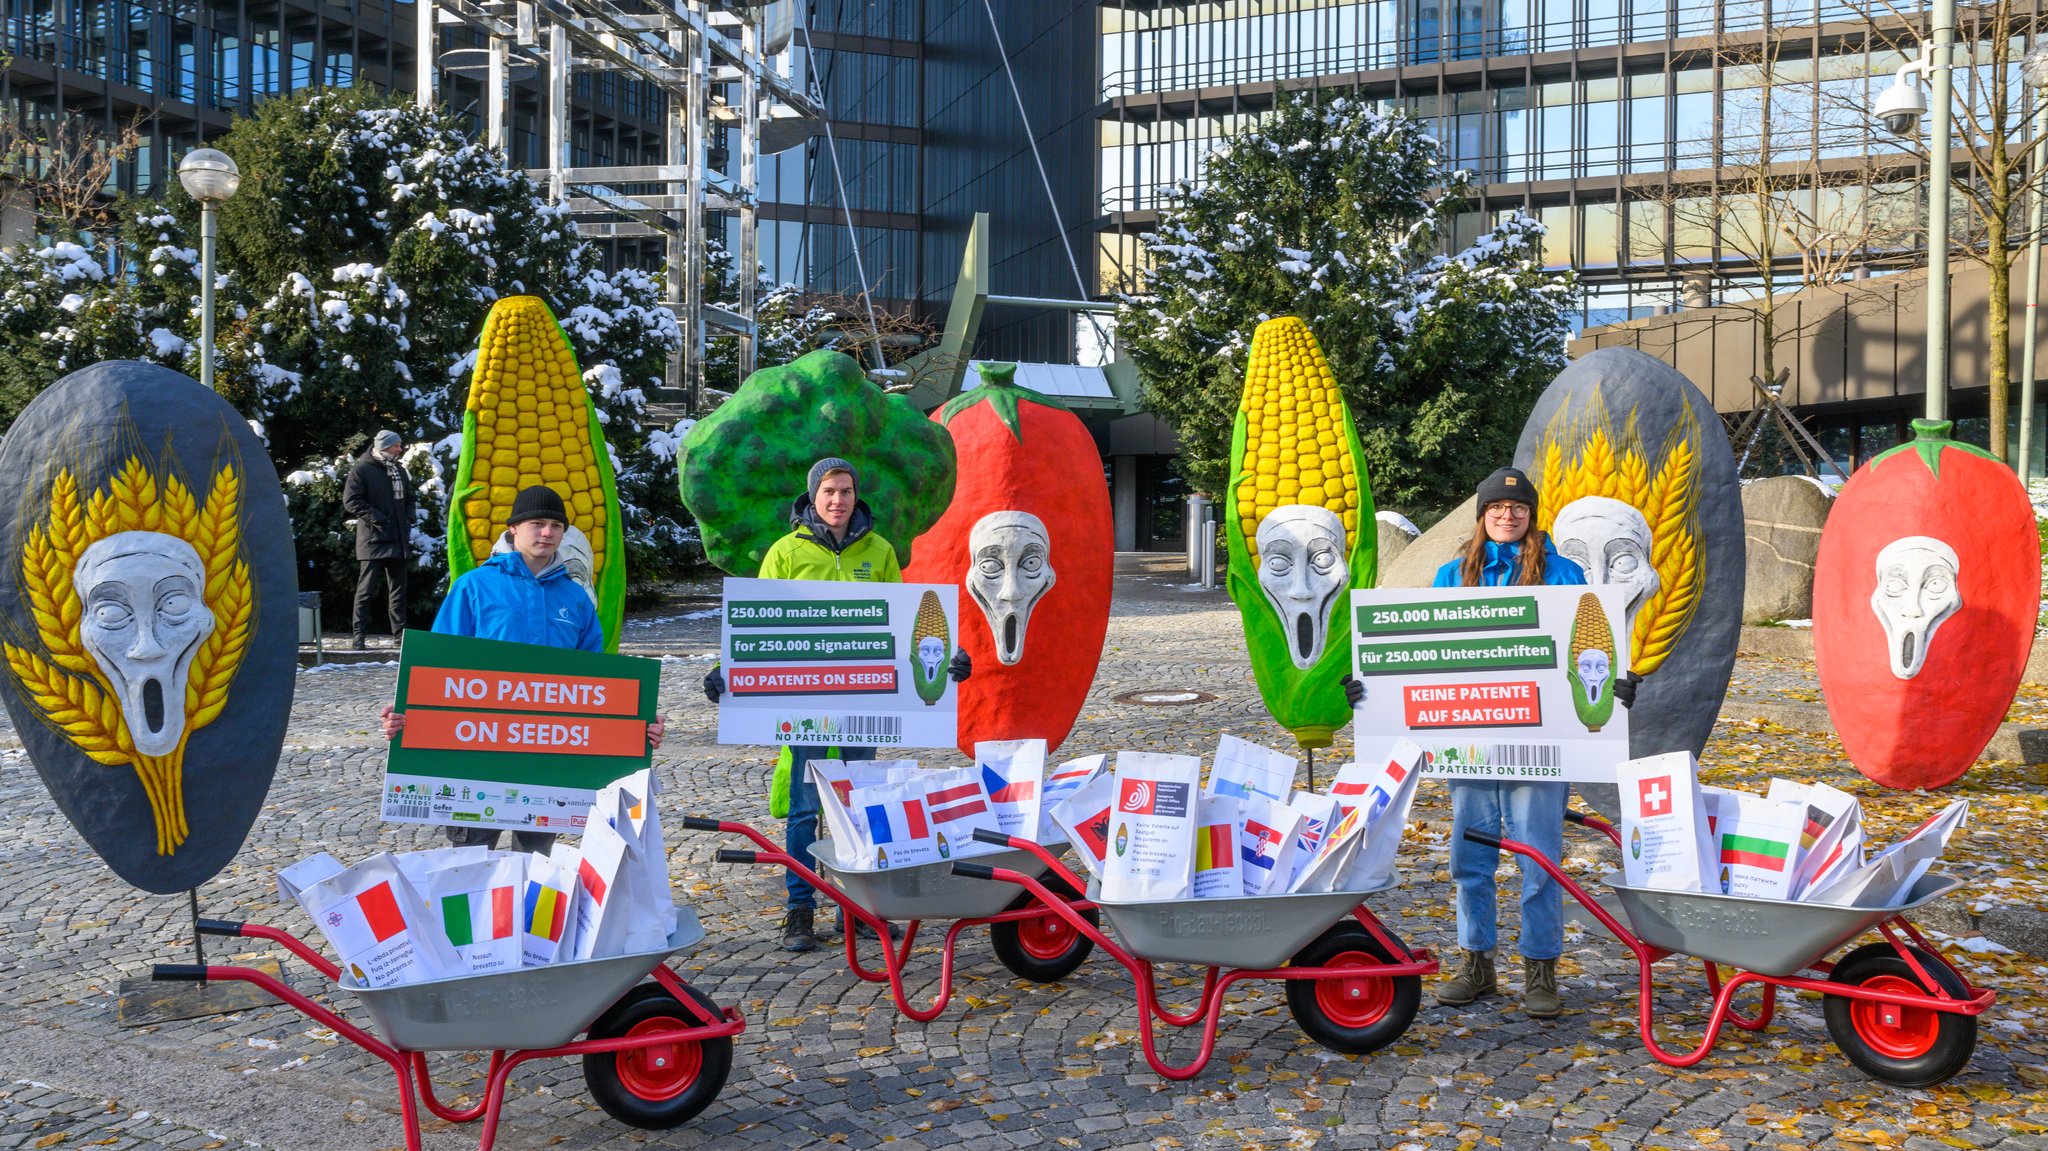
1352, 1016
655, 1088
1905, 1046
1047, 949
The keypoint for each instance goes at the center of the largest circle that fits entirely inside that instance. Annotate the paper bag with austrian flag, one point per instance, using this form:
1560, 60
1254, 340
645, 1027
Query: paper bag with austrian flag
1152, 837
1666, 836
1758, 840
891, 826
1381, 791
636, 799
1013, 771
1243, 768
1083, 817
379, 929
958, 805
615, 915
1268, 844
1061, 782
477, 908
1218, 823
835, 780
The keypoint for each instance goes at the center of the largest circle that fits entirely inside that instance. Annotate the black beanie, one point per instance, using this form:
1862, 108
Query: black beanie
539, 502
1506, 484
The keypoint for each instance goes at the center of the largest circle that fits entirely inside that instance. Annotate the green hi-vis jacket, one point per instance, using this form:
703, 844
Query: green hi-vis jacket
807, 552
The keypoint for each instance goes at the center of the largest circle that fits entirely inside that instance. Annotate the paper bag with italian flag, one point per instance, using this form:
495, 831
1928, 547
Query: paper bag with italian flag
1061, 782
1267, 846
476, 906
1151, 844
1217, 875
1758, 840
891, 826
1013, 771
547, 908
380, 931
1667, 839
1243, 768
1083, 818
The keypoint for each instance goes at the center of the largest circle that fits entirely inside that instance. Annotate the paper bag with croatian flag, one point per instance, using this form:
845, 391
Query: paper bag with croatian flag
835, 780
1758, 840
891, 826
1339, 850
1831, 842
1243, 768
305, 873
1667, 839
1083, 818
1151, 844
1061, 782
1013, 771
477, 908
1217, 875
1381, 791
1268, 844
380, 931
615, 915
547, 907
636, 800
958, 805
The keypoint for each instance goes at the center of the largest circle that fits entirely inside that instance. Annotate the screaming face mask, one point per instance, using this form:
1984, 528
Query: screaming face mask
1009, 570
931, 650
1302, 570
145, 616
1916, 591
1593, 672
1611, 541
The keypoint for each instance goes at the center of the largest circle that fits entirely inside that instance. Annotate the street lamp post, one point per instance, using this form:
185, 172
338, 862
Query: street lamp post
2034, 69
1900, 109
210, 177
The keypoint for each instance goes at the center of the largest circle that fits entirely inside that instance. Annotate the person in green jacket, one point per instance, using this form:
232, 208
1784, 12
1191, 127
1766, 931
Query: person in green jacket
832, 537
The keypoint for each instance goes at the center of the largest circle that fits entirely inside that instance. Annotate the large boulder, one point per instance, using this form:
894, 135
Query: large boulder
1417, 562
1782, 518
1396, 532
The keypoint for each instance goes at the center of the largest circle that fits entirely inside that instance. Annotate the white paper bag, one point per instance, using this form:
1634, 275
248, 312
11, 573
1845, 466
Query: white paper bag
835, 780
891, 826
1667, 838
380, 931
1013, 771
637, 794
1218, 824
417, 865
1319, 814
1243, 768
1152, 841
1268, 845
1083, 818
1758, 842
1382, 791
958, 805
1831, 842
305, 873
1339, 851
476, 906
615, 915
547, 912
1888, 878
1061, 782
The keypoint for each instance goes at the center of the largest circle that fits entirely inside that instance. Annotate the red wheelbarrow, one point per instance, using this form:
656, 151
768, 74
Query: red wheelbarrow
1032, 941
1352, 985
655, 1054
1900, 1011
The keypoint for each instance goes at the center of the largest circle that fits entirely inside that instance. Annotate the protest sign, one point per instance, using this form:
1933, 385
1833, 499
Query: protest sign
1667, 841
1504, 683
1151, 849
847, 664
513, 735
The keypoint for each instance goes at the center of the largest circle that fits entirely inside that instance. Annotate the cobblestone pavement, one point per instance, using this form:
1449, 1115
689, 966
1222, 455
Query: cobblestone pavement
826, 1060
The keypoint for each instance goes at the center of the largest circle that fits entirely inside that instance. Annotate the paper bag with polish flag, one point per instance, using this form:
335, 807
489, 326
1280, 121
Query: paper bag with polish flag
476, 906
835, 780
1382, 791
1243, 768
1758, 845
1667, 838
958, 805
1151, 844
892, 826
1217, 875
1083, 818
305, 873
1831, 841
1061, 782
1013, 771
547, 908
1268, 844
380, 931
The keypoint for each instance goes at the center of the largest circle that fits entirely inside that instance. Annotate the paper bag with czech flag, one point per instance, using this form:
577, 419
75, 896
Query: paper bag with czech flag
1667, 839
1152, 840
1217, 874
958, 805
547, 909
1013, 771
1083, 817
477, 908
380, 931
1381, 791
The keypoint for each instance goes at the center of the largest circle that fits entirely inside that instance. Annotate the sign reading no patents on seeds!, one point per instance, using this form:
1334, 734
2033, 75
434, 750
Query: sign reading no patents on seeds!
1495, 683
512, 735
847, 664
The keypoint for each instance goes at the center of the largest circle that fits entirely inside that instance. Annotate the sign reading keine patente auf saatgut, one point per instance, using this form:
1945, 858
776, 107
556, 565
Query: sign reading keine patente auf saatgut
1495, 683
846, 664
513, 735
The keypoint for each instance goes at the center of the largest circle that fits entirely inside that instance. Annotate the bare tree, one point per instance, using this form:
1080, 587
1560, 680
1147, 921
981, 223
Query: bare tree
65, 164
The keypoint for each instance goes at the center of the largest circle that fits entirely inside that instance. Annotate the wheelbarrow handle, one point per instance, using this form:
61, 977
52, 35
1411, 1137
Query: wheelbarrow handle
1571, 813
737, 855
220, 926
974, 870
178, 972
701, 823
1482, 838
985, 835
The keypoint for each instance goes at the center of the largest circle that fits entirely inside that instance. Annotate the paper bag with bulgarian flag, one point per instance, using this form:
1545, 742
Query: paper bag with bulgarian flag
1061, 782
380, 931
1151, 844
1831, 841
835, 780
476, 906
1217, 875
1268, 844
1243, 768
547, 909
1382, 791
1667, 838
1759, 845
891, 826
1083, 818
1013, 771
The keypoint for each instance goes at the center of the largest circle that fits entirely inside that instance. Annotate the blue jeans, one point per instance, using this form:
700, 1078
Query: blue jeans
1534, 814
800, 830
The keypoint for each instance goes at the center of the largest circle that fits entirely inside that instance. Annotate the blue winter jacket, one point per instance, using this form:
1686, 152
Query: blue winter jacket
1499, 567
501, 599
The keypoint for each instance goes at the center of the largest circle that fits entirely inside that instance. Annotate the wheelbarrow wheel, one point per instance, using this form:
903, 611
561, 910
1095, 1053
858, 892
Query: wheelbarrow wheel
663, 1084
1905, 1046
1046, 949
1358, 1014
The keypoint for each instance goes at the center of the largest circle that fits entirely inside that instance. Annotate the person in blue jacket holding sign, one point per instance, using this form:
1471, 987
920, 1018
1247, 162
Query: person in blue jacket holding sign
522, 596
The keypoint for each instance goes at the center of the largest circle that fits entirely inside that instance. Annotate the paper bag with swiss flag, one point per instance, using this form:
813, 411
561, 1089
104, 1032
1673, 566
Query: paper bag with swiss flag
1666, 840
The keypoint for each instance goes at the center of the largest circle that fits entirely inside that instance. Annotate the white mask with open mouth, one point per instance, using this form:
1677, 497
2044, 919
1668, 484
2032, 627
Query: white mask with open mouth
1610, 541
145, 616
1303, 568
1916, 590
930, 650
1009, 569
1594, 667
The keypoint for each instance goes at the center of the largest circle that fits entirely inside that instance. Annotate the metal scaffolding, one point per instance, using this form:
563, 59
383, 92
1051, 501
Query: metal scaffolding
712, 62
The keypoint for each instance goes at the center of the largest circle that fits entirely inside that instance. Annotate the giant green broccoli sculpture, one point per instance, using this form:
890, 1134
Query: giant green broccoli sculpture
743, 465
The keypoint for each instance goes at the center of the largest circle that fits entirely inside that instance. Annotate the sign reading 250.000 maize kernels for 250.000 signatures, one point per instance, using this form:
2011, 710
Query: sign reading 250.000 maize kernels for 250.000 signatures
1495, 683
513, 735
838, 664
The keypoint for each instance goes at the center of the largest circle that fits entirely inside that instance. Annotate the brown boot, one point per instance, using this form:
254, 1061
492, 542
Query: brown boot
1539, 988
1475, 979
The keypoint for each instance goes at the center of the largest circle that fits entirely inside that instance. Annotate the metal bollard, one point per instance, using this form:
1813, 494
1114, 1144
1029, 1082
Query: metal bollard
1197, 514
1208, 553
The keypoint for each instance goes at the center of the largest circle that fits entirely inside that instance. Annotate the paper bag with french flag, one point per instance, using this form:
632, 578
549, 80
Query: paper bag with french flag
1061, 782
1268, 844
836, 780
958, 805
892, 826
1152, 836
615, 914
1381, 792
1243, 768
1667, 838
636, 802
1013, 771
1758, 841
1217, 875
379, 929
547, 907
477, 908
1083, 817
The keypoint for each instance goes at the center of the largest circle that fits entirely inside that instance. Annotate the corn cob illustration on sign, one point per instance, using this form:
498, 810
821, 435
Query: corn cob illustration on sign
1589, 664
150, 617
529, 420
931, 649
1298, 516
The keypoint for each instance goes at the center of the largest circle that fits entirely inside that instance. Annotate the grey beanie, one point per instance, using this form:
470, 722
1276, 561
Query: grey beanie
386, 439
825, 467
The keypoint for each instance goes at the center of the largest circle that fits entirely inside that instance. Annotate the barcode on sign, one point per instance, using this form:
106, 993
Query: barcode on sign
872, 726
405, 811
1525, 755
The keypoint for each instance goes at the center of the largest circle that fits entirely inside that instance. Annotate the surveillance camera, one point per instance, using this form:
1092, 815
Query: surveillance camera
1900, 107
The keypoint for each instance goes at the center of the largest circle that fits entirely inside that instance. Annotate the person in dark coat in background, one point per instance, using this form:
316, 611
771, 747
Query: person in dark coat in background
380, 495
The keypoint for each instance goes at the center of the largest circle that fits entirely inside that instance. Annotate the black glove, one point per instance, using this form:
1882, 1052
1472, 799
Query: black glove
1625, 689
714, 684
1354, 691
961, 667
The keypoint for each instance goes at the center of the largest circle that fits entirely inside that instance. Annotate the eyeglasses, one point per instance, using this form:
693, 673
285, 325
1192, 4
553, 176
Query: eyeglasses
1509, 509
